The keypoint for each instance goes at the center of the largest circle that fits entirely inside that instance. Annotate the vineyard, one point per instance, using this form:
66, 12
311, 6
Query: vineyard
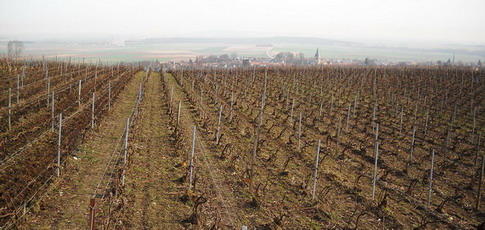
93, 146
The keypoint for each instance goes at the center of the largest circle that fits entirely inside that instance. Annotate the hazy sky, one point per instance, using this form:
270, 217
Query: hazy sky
384, 20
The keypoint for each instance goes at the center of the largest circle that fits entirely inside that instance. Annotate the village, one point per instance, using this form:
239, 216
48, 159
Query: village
295, 59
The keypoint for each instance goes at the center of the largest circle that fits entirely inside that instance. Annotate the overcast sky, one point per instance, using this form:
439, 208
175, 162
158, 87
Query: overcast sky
460, 21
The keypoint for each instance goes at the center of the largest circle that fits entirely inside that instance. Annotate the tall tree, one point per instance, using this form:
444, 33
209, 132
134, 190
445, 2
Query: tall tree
15, 48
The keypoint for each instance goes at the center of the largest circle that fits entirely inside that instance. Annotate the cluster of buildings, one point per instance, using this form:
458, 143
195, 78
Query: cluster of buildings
285, 58
226, 61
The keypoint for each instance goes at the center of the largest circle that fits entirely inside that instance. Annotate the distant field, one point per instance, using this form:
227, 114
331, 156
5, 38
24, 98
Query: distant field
186, 51
339, 52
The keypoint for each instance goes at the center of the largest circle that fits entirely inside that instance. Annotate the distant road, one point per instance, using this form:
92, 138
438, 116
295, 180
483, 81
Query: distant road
267, 53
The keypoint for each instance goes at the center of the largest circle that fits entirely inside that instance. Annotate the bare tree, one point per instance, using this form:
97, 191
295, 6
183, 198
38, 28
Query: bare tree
15, 48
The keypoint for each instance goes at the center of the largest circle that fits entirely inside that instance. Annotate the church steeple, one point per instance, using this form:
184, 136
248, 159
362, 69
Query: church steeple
317, 57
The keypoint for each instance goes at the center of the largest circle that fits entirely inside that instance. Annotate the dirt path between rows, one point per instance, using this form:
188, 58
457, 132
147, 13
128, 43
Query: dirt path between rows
66, 204
151, 189
222, 207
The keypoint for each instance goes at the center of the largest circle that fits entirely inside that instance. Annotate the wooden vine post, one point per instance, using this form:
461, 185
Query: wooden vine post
413, 140
125, 150
52, 112
92, 213
218, 131
9, 108
18, 88
92, 111
315, 170
374, 177
48, 87
109, 95
257, 133
178, 112
79, 94
480, 181
191, 158
59, 146
430, 188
